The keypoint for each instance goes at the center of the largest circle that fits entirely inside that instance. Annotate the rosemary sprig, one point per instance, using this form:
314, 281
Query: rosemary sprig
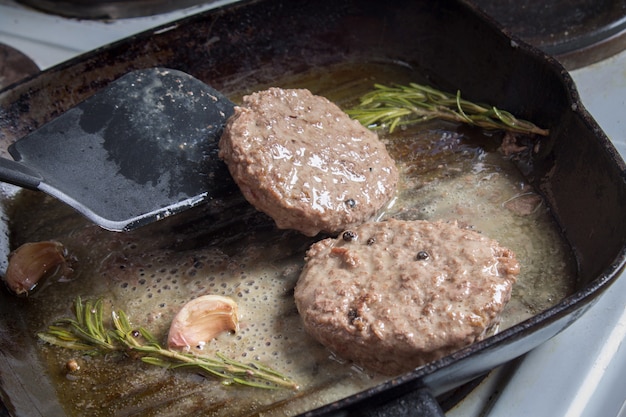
87, 333
392, 107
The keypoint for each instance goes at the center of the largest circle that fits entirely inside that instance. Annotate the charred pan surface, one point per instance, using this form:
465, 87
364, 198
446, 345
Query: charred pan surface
394, 295
300, 159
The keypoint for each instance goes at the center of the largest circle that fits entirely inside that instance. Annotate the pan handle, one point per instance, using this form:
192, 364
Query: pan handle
18, 174
418, 403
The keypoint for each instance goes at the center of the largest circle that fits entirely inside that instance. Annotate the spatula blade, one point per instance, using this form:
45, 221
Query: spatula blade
142, 149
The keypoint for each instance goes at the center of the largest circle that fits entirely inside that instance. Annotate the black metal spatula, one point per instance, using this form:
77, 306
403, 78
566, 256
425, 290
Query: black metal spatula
142, 149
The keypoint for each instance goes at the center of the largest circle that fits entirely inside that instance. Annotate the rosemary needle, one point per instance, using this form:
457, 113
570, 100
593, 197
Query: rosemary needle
392, 107
87, 333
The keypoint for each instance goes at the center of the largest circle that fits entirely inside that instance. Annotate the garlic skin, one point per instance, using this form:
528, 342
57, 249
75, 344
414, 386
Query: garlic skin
32, 262
201, 320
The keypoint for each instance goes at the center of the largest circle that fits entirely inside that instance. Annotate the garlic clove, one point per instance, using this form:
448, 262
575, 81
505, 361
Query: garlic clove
32, 262
201, 320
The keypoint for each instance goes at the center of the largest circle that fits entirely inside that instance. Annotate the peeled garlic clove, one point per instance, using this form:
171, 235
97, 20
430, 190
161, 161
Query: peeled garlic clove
32, 262
201, 320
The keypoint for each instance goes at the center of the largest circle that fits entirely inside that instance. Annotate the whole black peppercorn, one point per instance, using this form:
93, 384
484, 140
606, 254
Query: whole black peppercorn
352, 315
349, 235
371, 241
422, 255
350, 203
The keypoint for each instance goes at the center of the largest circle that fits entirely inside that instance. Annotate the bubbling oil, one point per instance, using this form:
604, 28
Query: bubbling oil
447, 173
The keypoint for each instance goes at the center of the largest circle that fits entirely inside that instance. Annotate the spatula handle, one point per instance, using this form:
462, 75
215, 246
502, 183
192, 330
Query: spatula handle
18, 174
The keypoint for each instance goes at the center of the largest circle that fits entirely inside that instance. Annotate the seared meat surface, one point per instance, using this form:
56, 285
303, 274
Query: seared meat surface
394, 295
300, 159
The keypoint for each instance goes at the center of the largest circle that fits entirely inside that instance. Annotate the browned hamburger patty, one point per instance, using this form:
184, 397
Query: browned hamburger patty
395, 295
300, 159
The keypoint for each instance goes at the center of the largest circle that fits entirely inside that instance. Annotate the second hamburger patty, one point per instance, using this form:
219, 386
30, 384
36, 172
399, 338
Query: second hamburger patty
300, 159
395, 295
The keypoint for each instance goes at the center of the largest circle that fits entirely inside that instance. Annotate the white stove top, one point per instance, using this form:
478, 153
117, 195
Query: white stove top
49, 40
579, 373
